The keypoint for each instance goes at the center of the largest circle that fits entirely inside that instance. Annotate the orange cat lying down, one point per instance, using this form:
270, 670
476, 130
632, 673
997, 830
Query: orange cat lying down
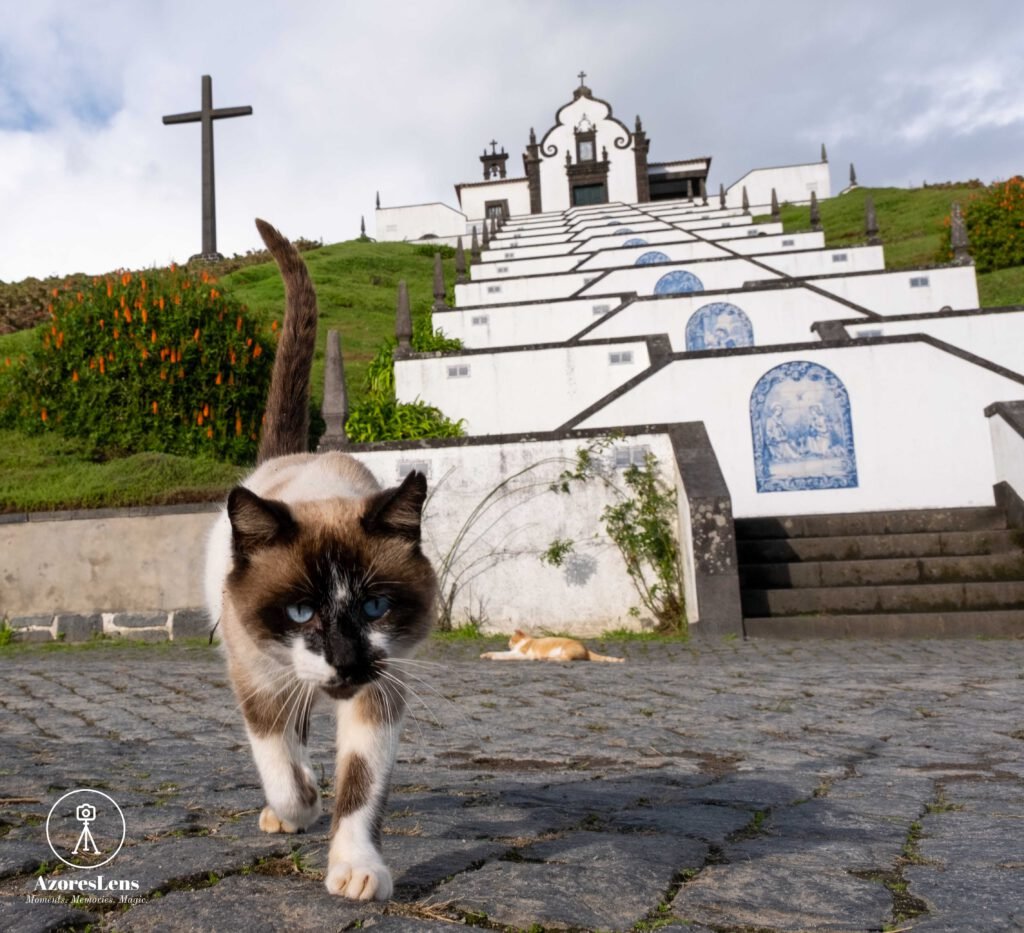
525, 648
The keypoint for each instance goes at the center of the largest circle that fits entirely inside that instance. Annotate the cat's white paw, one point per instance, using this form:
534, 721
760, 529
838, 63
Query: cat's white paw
365, 882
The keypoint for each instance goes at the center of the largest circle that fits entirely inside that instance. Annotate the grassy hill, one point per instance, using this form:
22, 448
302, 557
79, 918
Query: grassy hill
356, 283
910, 224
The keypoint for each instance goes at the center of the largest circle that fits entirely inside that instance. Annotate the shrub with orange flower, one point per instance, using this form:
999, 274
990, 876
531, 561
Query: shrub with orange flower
129, 400
995, 226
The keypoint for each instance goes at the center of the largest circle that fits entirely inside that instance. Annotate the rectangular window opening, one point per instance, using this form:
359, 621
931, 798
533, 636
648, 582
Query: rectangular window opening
601, 309
635, 455
919, 281
493, 289
479, 319
619, 357
458, 372
789, 242
840, 257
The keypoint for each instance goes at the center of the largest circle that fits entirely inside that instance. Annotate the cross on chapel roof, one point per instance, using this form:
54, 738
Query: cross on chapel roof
581, 76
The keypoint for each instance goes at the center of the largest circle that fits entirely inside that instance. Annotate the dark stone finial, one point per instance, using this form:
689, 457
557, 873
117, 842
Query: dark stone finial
487, 236
378, 200
639, 125
815, 213
403, 320
460, 263
824, 154
776, 216
494, 226
853, 176
871, 222
746, 201
958, 237
703, 192
533, 137
474, 247
439, 304
362, 227
568, 157
604, 153
335, 404
721, 196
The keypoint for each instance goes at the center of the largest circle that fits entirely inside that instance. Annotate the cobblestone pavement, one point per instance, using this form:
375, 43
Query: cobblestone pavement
764, 786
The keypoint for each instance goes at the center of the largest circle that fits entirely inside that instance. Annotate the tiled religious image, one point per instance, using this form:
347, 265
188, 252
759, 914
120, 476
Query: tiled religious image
679, 282
802, 430
718, 326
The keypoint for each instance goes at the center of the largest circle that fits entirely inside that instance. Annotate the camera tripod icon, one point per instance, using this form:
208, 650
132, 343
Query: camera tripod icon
85, 813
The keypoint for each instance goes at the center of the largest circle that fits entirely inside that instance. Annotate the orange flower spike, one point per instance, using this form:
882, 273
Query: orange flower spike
273, 326
117, 334
238, 425
55, 292
238, 324
209, 432
160, 302
257, 351
80, 297
195, 335
219, 379
74, 376
110, 289
126, 278
101, 323
103, 368
127, 316
145, 316
43, 415
206, 411
152, 336
199, 419
248, 341
156, 408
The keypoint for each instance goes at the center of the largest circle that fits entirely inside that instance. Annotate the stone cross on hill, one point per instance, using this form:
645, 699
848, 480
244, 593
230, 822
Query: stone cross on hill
206, 116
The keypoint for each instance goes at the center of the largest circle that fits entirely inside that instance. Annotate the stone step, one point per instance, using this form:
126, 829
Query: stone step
920, 597
996, 623
887, 571
855, 547
912, 521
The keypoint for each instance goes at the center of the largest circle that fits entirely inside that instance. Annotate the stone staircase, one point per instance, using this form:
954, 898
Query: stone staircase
942, 572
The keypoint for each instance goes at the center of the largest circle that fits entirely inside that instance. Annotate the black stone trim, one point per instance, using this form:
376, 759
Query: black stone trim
650, 339
712, 529
934, 315
787, 348
1011, 412
1011, 503
484, 184
134, 511
681, 162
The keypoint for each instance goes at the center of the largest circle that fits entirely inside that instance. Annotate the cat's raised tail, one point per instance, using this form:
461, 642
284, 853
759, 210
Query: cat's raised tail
607, 659
286, 423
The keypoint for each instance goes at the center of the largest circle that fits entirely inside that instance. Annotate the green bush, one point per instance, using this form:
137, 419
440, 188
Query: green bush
157, 361
995, 227
380, 416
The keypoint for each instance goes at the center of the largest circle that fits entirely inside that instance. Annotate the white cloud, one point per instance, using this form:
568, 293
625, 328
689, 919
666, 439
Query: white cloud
400, 97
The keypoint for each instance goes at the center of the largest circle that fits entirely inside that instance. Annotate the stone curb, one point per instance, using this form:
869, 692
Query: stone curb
71, 627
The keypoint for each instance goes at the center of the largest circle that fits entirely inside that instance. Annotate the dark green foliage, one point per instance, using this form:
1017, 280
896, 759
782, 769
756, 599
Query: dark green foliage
158, 361
379, 416
641, 527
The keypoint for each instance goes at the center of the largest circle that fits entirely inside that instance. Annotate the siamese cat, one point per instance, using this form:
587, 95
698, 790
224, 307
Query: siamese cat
525, 648
317, 580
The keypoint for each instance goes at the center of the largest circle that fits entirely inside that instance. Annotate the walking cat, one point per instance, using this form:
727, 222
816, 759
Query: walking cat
316, 577
525, 648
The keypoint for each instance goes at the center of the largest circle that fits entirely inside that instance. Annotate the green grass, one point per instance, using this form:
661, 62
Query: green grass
910, 223
357, 287
42, 472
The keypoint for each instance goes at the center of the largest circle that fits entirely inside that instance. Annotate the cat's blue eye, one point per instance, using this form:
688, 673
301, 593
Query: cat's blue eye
376, 607
299, 612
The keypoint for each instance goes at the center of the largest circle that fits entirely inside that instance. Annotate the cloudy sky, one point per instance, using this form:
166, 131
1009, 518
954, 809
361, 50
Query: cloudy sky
350, 98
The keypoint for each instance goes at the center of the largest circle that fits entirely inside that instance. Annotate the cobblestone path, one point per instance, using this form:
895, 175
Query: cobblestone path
762, 786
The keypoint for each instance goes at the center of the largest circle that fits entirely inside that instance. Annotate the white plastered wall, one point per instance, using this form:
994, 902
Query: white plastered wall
920, 437
475, 197
792, 183
417, 220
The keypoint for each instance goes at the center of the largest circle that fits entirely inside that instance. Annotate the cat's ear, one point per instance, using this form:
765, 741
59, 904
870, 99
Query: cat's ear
398, 511
256, 523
